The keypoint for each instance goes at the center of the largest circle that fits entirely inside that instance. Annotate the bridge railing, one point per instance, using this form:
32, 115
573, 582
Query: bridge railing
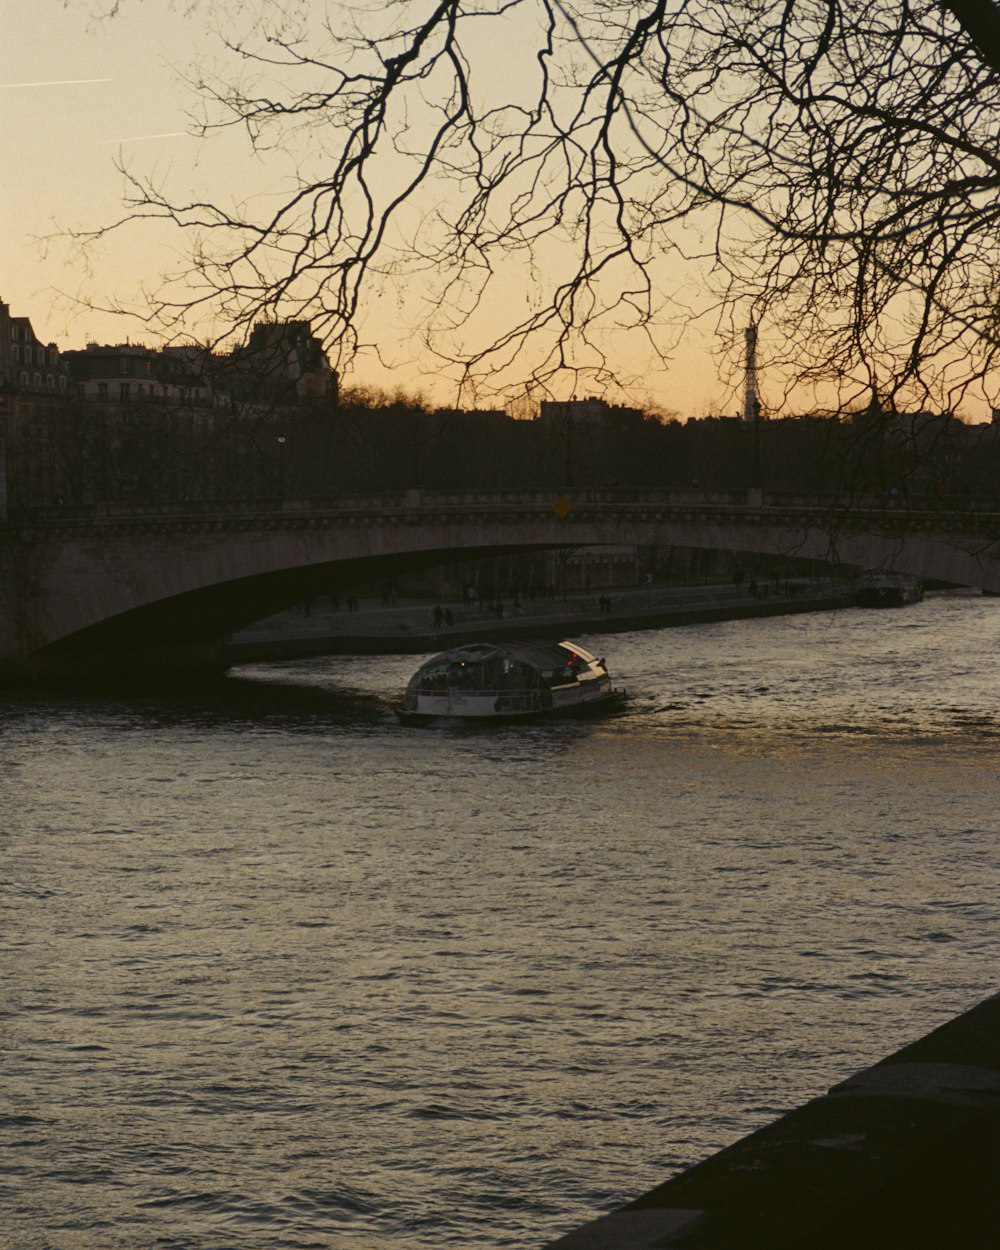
408, 501
419, 502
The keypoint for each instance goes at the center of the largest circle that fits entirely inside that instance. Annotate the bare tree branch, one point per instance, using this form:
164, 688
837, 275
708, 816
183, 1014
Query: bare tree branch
830, 167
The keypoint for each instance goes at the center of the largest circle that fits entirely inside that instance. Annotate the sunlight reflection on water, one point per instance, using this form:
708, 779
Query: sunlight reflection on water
282, 973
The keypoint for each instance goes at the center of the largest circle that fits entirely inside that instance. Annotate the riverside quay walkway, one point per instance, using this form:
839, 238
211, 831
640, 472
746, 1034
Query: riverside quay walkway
903, 1156
409, 627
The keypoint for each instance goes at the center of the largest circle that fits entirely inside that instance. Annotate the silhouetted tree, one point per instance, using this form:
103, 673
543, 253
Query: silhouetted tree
833, 165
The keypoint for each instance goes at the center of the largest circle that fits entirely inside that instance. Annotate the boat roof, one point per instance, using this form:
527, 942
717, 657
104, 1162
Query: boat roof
539, 654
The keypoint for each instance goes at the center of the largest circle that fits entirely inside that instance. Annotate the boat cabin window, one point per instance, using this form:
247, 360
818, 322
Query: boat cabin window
432, 677
495, 672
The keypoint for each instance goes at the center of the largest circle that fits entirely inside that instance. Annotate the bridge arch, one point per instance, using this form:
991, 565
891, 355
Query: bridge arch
187, 629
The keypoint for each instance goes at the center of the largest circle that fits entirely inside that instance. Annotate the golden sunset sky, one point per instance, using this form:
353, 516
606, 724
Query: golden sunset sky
80, 95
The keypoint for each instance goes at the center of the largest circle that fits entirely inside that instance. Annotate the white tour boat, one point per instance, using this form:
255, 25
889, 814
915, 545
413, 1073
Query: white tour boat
511, 681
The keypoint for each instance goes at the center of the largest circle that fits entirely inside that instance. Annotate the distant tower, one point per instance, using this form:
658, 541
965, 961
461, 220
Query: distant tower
751, 400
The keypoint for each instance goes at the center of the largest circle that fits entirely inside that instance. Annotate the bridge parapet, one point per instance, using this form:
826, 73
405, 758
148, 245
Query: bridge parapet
832, 506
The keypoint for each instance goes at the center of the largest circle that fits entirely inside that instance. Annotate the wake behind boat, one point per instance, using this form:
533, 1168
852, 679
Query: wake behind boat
511, 681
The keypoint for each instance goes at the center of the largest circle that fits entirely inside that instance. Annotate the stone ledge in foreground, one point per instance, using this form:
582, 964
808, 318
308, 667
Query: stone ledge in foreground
903, 1156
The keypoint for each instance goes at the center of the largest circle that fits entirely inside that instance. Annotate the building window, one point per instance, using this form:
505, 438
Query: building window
123, 390
102, 390
15, 355
27, 355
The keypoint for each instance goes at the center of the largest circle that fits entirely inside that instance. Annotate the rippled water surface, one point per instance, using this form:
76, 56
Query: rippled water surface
281, 973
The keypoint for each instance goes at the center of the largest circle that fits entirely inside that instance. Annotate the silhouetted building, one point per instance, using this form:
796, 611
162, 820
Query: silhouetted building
26, 363
592, 412
134, 373
282, 363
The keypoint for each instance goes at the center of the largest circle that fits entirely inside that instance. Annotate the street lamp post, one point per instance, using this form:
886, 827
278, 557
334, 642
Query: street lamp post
281, 467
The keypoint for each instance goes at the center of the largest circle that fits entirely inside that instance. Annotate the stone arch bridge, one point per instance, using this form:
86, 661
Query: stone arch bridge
162, 587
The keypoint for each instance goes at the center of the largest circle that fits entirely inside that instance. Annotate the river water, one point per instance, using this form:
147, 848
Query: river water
280, 973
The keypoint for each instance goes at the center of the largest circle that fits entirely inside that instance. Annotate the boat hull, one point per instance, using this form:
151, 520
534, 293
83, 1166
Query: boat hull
886, 597
887, 590
611, 702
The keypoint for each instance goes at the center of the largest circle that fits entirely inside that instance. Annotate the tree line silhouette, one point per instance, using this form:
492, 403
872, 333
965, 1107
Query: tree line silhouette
68, 454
